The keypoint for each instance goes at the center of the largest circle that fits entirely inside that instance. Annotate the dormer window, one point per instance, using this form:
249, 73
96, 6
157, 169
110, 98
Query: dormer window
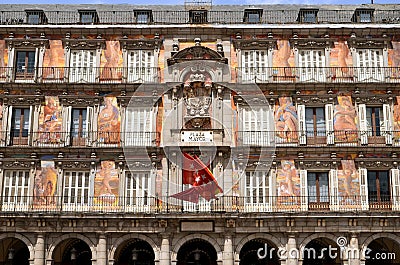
252, 15
88, 17
307, 15
35, 17
143, 16
363, 15
198, 16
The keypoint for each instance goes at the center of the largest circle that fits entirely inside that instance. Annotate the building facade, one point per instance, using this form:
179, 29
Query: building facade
199, 134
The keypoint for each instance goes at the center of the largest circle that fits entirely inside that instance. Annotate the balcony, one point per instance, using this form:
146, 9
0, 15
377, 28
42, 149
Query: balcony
316, 138
106, 75
318, 74
82, 139
215, 16
223, 204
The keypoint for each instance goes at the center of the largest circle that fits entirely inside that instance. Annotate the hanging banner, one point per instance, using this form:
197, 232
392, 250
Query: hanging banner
50, 121
348, 185
45, 184
286, 121
345, 121
288, 185
106, 184
109, 122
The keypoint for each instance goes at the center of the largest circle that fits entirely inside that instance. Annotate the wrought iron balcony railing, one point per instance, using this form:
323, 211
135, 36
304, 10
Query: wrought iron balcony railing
318, 74
81, 139
108, 75
223, 204
317, 138
267, 16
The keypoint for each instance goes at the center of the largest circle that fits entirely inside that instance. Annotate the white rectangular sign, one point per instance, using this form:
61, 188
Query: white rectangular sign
196, 136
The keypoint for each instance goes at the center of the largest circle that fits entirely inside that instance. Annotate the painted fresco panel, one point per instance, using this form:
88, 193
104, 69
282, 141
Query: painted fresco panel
45, 184
106, 184
288, 185
111, 61
396, 120
50, 121
109, 122
348, 184
345, 121
286, 121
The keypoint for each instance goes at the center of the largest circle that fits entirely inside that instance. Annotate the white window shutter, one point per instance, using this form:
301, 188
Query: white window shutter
66, 124
301, 111
303, 190
395, 183
89, 127
30, 130
330, 135
333, 190
9, 118
362, 116
362, 173
387, 129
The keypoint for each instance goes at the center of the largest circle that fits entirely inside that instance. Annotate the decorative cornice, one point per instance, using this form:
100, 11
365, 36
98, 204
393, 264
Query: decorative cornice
84, 43
374, 163
315, 100
368, 99
137, 101
258, 44
79, 101
18, 163
369, 43
23, 100
317, 164
311, 43
142, 44
139, 165
27, 42
74, 164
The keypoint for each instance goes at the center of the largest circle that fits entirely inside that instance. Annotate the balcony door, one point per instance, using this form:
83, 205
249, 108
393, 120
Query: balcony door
25, 65
311, 65
254, 66
370, 65
141, 66
83, 66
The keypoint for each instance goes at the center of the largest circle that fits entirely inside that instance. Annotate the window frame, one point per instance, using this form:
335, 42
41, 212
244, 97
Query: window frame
14, 195
318, 199
378, 198
80, 178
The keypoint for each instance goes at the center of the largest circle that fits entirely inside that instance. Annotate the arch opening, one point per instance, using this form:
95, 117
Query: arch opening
135, 252
382, 251
250, 254
72, 252
197, 252
13, 252
321, 251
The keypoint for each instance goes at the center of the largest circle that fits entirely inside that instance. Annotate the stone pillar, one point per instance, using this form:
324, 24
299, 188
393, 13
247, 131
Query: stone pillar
102, 250
227, 256
39, 250
353, 252
165, 254
291, 251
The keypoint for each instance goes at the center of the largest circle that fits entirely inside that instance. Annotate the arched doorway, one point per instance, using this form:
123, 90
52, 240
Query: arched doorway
317, 252
13, 252
249, 253
72, 252
134, 252
197, 252
383, 251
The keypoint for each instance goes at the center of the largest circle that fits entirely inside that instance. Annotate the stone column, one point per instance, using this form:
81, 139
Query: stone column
227, 257
165, 254
291, 251
353, 252
39, 250
102, 250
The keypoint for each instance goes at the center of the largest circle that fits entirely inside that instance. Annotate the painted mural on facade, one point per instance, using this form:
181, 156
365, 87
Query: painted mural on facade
345, 120
341, 61
111, 60
394, 56
109, 122
286, 121
50, 121
2, 54
106, 184
348, 184
45, 184
288, 185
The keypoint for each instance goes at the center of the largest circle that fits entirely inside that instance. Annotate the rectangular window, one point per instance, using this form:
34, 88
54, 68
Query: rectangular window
25, 64
83, 66
198, 16
256, 126
257, 187
362, 15
254, 65
307, 15
378, 186
143, 16
252, 15
77, 187
318, 188
141, 66
16, 187
138, 188
78, 127
138, 128
88, 16
20, 126
312, 65
375, 121
370, 65
36, 17
315, 122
